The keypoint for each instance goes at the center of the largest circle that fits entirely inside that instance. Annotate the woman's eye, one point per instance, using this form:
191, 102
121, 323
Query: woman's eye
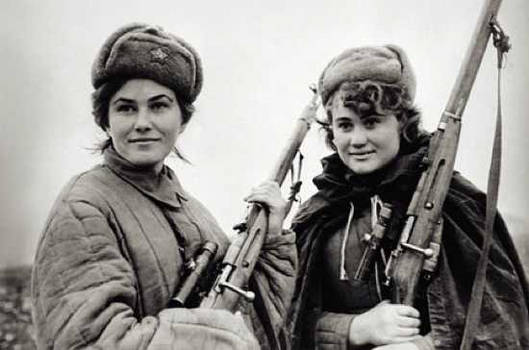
125, 108
159, 106
371, 122
345, 125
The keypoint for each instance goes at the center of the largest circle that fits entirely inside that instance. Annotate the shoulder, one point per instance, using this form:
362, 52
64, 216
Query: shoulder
90, 187
462, 193
78, 218
462, 186
309, 208
84, 197
309, 215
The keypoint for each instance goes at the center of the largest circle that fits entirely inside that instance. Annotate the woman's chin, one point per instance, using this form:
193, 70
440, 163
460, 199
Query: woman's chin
363, 168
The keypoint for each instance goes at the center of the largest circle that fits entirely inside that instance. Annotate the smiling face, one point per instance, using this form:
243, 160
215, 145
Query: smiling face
365, 144
144, 121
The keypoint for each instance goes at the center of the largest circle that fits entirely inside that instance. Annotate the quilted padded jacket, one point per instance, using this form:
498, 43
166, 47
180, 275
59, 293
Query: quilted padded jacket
111, 256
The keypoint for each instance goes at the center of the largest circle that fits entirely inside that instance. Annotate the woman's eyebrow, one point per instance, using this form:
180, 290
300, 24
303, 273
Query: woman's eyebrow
123, 99
343, 118
161, 96
365, 116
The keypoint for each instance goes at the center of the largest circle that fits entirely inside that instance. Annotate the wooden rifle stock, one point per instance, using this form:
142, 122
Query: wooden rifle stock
425, 209
240, 259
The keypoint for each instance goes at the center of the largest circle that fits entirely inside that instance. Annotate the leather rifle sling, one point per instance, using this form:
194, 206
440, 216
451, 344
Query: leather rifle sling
501, 42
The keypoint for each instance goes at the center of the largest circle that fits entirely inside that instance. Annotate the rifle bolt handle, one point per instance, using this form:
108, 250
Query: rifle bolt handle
428, 252
246, 294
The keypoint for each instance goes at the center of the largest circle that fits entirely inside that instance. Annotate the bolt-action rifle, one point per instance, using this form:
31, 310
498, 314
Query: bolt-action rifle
240, 259
241, 256
419, 242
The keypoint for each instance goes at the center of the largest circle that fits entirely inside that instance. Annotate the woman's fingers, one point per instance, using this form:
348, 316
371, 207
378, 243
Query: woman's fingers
409, 322
267, 193
407, 331
259, 197
405, 310
385, 323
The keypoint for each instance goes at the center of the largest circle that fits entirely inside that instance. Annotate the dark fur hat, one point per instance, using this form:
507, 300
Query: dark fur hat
144, 51
386, 64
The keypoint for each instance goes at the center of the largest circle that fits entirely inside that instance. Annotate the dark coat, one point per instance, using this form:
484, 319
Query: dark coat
504, 315
112, 255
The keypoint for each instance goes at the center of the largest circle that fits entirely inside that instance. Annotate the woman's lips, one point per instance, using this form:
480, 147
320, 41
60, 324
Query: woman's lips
144, 140
361, 155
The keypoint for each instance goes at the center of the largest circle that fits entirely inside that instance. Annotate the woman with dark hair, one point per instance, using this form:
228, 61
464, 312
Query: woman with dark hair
380, 148
122, 236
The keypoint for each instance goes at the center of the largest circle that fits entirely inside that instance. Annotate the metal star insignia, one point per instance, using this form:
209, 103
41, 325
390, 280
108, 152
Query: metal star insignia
158, 55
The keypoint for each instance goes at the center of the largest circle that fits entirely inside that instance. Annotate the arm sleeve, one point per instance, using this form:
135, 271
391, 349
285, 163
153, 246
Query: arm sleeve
274, 276
332, 331
83, 288
85, 295
424, 342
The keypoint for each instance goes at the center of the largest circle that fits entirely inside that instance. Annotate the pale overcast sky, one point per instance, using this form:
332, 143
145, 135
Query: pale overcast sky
259, 57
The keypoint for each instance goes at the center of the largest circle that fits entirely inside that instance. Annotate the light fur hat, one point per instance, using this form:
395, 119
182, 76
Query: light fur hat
144, 51
386, 64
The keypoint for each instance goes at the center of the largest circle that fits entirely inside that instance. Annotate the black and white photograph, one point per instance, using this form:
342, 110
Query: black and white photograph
264, 174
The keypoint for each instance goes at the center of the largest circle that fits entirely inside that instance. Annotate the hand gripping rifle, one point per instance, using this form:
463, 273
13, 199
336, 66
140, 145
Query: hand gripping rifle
242, 254
419, 241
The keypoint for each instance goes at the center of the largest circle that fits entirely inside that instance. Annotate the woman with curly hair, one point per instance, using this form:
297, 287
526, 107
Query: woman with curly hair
379, 149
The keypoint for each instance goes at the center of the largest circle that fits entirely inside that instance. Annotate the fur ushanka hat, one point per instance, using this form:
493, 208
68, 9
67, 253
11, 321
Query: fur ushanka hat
148, 52
385, 64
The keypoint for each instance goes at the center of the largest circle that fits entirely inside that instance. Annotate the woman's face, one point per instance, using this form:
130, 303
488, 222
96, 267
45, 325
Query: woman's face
364, 144
144, 120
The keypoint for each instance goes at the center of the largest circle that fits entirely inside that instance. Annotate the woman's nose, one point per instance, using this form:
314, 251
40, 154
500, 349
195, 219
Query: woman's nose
143, 120
358, 137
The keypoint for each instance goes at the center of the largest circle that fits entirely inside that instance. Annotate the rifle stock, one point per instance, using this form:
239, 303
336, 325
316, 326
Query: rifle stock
425, 209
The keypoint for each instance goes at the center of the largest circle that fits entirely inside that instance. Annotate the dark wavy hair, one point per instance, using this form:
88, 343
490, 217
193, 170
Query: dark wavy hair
374, 98
100, 104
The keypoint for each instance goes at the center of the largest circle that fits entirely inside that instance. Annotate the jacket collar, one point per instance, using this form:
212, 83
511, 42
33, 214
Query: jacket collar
163, 187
